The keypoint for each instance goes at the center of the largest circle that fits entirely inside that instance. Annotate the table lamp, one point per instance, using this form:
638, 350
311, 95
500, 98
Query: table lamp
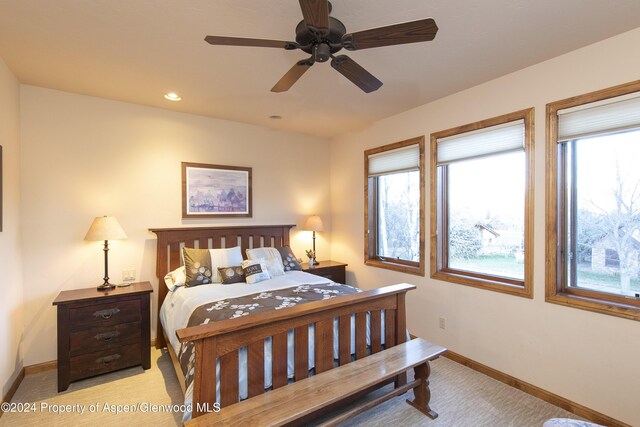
105, 228
314, 223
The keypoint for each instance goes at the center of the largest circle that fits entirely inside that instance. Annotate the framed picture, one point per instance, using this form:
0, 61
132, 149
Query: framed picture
215, 191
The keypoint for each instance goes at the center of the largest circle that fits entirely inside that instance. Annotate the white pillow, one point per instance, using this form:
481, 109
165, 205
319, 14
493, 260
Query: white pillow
255, 270
228, 257
272, 258
175, 278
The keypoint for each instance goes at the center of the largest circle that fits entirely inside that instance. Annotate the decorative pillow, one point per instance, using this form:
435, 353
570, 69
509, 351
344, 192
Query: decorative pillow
224, 258
289, 260
271, 257
255, 270
197, 265
231, 274
175, 278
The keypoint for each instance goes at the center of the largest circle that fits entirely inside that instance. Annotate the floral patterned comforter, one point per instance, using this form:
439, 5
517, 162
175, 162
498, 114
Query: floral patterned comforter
242, 306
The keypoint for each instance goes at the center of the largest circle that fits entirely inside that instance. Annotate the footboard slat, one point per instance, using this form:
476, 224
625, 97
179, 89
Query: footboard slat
376, 331
204, 387
361, 335
301, 352
323, 345
279, 360
389, 328
229, 379
255, 367
344, 343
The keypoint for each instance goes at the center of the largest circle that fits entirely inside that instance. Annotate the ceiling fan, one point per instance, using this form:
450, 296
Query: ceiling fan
322, 36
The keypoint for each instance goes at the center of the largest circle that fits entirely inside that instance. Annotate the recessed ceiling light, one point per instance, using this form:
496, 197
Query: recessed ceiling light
275, 117
172, 96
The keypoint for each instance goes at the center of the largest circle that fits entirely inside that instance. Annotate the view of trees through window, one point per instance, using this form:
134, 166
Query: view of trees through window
486, 215
605, 213
399, 216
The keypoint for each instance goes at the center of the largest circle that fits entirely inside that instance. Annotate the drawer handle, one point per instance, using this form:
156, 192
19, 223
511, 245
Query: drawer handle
106, 314
106, 361
107, 336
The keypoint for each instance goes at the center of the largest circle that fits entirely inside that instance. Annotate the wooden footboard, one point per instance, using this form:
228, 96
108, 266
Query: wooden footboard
223, 339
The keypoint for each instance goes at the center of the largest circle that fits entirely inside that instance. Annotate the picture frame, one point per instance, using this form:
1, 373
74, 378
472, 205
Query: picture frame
216, 191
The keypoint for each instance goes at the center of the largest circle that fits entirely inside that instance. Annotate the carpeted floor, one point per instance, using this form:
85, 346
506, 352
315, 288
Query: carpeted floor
461, 396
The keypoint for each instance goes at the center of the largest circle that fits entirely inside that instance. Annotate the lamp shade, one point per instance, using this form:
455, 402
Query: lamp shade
314, 223
105, 228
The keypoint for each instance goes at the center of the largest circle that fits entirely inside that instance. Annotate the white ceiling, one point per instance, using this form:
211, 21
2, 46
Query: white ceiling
137, 50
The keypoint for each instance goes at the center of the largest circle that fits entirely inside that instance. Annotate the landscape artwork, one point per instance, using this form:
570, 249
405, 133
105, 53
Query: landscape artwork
211, 191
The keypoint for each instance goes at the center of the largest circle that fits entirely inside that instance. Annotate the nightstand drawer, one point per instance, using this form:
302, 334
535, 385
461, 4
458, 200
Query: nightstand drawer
111, 313
329, 269
332, 270
332, 273
103, 338
91, 364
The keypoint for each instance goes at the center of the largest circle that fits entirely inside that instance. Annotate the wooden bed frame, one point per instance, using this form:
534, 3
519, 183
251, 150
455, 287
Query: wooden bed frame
223, 339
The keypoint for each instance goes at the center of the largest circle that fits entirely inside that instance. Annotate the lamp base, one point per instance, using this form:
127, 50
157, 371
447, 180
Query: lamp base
315, 262
106, 287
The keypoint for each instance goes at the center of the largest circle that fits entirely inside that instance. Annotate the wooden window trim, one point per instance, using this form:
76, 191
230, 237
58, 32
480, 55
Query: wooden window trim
555, 260
370, 241
439, 271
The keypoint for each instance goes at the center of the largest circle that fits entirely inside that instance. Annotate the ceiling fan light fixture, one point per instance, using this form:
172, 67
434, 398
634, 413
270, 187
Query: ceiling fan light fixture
321, 52
172, 96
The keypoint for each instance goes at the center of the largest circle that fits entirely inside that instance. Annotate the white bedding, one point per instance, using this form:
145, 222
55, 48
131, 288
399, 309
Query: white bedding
179, 304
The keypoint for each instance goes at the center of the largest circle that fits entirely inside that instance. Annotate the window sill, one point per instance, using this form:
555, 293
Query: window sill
592, 304
418, 271
491, 285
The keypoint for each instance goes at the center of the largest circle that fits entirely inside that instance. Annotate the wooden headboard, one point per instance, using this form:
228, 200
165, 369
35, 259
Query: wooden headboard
171, 240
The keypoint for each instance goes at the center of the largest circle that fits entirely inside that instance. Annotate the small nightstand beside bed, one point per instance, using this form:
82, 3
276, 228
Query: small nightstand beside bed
234, 341
100, 332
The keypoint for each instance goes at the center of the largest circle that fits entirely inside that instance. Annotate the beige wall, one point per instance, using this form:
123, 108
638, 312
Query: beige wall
11, 301
84, 157
592, 359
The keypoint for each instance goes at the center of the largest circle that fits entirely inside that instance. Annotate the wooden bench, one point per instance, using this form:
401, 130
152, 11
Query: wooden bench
314, 396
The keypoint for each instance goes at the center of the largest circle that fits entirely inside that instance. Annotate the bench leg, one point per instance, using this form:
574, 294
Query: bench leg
422, 392
400, 380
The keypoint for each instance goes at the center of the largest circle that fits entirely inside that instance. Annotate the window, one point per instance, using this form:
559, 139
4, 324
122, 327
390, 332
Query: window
394, 212
593, 201
611, 258
482, 204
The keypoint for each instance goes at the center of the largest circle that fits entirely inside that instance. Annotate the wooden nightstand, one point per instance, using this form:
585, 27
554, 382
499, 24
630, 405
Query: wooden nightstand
100, 332
332, 270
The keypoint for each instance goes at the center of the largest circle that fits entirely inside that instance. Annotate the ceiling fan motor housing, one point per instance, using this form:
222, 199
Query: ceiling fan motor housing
308, 39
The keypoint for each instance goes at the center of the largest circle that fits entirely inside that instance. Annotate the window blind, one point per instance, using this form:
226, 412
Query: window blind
398, 160
497, 139
611, 115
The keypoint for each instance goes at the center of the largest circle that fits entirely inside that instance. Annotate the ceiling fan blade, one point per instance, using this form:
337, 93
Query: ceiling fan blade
240, 41
292, 76
354, 72
409, 32
316, 15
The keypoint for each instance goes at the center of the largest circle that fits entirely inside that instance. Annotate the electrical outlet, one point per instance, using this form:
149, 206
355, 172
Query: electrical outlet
442, 323
128, 275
